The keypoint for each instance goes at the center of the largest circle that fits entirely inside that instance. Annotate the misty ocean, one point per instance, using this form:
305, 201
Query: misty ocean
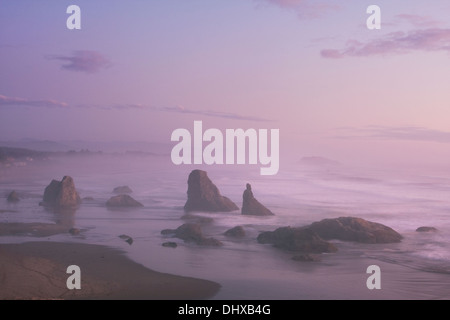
416, 268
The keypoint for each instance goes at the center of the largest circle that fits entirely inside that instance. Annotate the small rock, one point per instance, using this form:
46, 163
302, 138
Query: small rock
127, 239
170, 244
426, 229
13, 197
74, 231
192, 232
306, 257
236, 232
123, 200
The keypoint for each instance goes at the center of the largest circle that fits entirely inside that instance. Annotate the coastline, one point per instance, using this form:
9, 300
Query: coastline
37, 270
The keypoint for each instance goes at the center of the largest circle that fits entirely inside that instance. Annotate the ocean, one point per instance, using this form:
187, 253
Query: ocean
416, 268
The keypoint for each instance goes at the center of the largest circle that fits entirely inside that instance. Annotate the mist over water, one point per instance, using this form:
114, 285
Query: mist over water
298, 195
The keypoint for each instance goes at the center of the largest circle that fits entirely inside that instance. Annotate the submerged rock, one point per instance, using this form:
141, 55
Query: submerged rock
74, 231
296, 239
122, 190
127, 239
306, 257
236, 232
355, 229
203, 195
61, 193
192, 232
426, 229
13, 197
123, 200
251, 206
170, 244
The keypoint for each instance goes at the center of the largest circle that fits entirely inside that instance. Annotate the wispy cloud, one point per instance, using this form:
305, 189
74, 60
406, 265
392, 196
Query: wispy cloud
431, 39
305, 9
83, 61
410, 133
13, 101
418, 21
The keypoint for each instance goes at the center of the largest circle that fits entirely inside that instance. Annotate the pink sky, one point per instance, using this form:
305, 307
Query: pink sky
138, 70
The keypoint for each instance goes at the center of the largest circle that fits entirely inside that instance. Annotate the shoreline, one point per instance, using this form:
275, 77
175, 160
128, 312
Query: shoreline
37, 270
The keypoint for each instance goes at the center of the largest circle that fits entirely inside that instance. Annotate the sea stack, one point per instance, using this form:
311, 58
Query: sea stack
61, 193
203, 195
251, 206
13, 197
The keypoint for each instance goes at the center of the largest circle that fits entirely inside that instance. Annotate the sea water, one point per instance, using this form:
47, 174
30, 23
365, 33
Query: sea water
416, 268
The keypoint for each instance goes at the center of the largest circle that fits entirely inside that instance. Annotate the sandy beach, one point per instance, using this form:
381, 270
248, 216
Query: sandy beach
37, 270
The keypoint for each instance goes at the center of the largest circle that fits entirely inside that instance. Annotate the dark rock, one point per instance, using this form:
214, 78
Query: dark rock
170, 244
203, 195
192, 232
296, 239
236, 232
426, 229
88, 199
127, 239
123, 200
251, 206
122, 190
74, 231
61, 193
355, 229
13, 197
306, 257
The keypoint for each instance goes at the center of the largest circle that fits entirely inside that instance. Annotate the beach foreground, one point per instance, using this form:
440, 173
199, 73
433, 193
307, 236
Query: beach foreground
37, 270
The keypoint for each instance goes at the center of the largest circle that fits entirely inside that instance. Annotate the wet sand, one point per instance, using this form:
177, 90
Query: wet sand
37, 270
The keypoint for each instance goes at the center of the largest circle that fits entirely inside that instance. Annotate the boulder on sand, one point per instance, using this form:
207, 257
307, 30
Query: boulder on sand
61, 193
355, 229
251, 206
204, 196
123, 201
296, 239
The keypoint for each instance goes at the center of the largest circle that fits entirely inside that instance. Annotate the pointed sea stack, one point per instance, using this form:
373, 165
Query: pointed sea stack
203, 195
251, 206
13, 197
61, 193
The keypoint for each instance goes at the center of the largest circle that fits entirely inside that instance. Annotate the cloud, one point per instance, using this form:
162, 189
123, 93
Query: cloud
305, 9
417, 20
395, 133
10, 101
83, 61
432, 39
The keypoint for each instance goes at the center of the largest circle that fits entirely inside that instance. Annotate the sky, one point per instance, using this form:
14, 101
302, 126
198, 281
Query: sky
137, 70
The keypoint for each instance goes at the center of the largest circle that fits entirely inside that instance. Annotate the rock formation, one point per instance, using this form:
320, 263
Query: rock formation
426, 229
192, 232
296, 239
355, 229
122, 190
236, 232
13, 197
251, 206
123, 200
204, 196
61, 193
